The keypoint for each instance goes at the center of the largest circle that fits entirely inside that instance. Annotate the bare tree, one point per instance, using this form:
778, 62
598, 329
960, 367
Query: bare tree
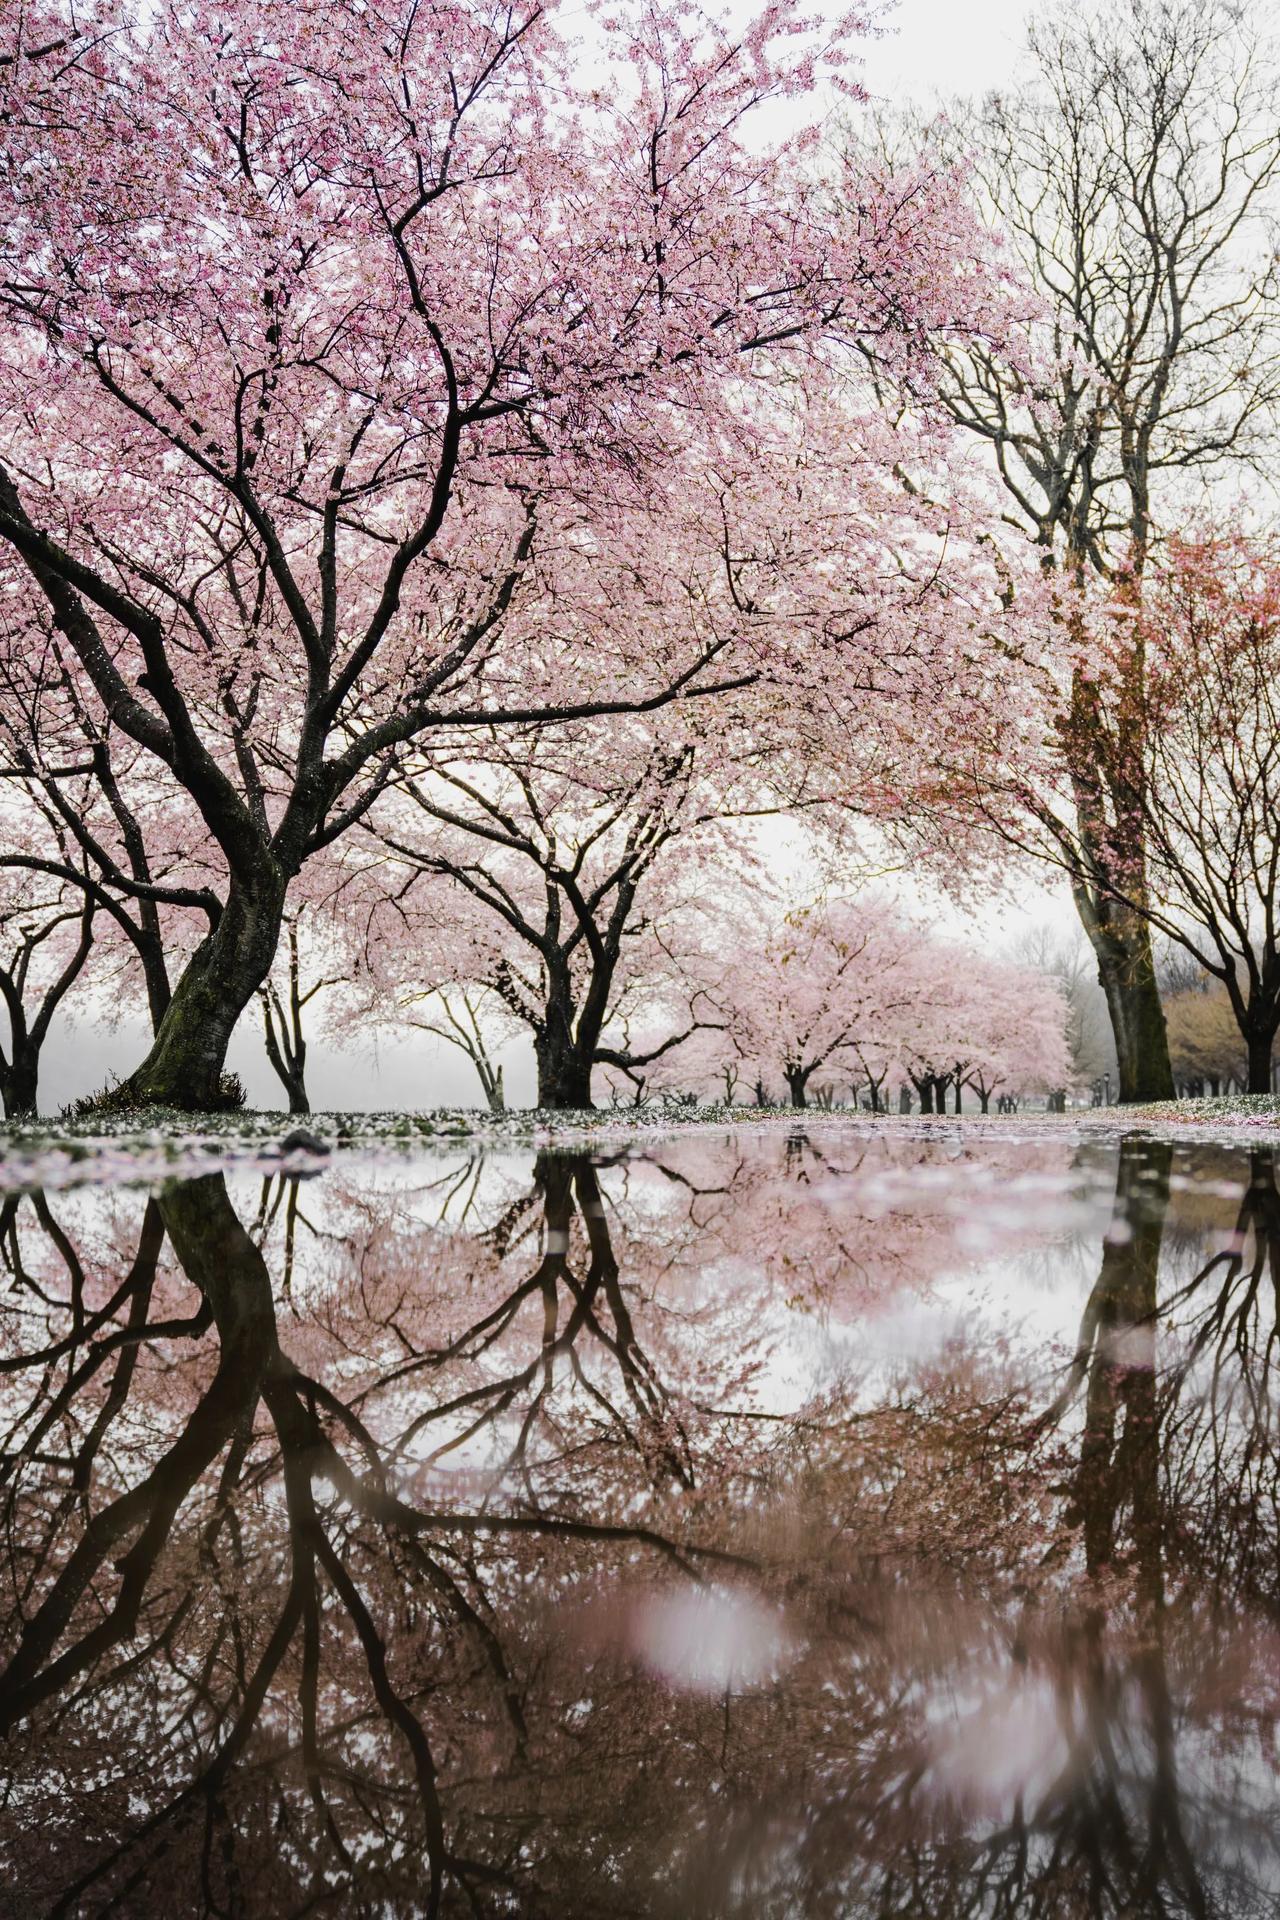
65, 777
282, 1024
45, 939
1135, 173
456, 1014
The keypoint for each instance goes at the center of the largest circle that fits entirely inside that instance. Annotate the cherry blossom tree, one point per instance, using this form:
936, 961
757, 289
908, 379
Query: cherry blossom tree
581, 859
417, 962
1015, 1036
464, 1018
855, 986
985, 1023
567, 836
804, 994
330, 341
558, 921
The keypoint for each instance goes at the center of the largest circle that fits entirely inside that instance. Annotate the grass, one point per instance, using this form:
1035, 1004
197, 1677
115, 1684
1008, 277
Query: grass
360, 1126
151, 1144
1251, 1109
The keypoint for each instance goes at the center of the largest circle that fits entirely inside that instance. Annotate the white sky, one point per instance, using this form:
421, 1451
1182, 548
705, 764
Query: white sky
937, 48
927, 51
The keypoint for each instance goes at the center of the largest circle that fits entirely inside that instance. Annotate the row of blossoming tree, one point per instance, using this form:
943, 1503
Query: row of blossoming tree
844, 998
455, 480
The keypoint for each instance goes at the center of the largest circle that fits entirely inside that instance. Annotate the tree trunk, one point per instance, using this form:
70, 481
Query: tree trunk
564, 1075
959, 1096
1121, 940
797, 1080
984, 1100
1109, 785
1260, 1062
564, 1056
1119, 1464
289, 1065
925, 1089
18, 1082
186, 1064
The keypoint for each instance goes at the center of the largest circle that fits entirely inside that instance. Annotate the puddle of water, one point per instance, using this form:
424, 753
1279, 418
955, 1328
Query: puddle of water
763, 1524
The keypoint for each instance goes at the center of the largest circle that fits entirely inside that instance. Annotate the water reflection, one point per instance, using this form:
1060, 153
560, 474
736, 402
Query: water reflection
828, 1526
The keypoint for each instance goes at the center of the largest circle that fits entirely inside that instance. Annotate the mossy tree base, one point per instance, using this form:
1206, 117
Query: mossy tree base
186, 1067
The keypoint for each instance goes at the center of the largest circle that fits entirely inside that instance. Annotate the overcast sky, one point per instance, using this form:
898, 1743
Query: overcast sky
934, 48
925, 50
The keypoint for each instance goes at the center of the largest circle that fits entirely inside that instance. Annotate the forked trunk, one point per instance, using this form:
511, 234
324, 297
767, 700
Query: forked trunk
296, 1089
290, 1068
187, 1061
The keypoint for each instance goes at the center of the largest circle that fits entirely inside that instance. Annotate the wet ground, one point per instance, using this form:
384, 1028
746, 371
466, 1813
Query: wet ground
764, 1523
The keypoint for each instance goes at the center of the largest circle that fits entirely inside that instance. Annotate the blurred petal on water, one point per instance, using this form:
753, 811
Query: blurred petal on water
707, 1639
997, 1748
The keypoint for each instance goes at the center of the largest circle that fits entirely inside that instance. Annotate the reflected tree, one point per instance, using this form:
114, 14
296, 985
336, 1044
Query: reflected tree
490, 1570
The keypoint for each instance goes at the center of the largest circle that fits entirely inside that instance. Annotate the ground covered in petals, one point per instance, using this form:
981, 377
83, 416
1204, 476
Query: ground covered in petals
158, 1143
